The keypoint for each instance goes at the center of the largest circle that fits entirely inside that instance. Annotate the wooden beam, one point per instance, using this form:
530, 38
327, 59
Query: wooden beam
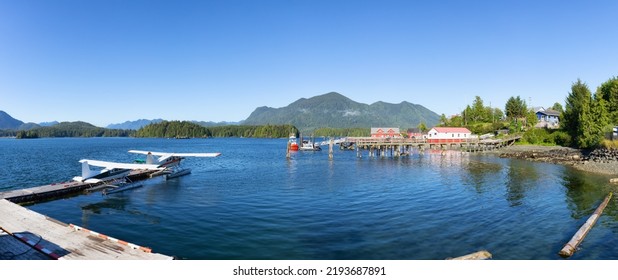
480, 255
569, 249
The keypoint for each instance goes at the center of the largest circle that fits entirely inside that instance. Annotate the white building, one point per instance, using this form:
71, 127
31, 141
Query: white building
448, 135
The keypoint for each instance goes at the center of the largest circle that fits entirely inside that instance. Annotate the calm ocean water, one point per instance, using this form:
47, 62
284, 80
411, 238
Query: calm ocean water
252, 203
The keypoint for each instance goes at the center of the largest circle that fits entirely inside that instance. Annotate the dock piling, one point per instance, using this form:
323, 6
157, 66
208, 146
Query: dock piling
330, 148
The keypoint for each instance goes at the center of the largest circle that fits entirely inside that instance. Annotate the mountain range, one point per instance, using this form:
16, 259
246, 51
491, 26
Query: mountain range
135, 125
9, 123
330, 110
337, 111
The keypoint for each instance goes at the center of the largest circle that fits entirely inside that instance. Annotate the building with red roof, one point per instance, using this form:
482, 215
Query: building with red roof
448, 135
385, 132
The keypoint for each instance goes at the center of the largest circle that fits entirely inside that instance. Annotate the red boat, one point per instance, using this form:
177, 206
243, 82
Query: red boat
293, 144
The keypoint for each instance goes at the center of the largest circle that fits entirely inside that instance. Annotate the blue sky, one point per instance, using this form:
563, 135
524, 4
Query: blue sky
108, 61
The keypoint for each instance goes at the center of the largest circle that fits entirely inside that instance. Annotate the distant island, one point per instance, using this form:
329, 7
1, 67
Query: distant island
185, 129
71, 129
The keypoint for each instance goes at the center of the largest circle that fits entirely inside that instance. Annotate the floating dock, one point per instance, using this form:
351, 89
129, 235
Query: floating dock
25, 234
52, 191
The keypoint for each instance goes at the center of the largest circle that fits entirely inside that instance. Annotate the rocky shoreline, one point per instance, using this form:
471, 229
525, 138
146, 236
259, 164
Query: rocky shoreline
600, 161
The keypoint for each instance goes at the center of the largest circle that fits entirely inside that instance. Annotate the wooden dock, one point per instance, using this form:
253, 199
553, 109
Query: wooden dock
42, 237
56, 190
396, 147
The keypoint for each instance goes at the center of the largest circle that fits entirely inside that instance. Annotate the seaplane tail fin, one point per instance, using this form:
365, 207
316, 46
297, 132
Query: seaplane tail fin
150, 159
86, 172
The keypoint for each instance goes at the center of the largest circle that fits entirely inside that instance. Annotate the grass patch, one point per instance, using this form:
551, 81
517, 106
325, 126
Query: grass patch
609, 144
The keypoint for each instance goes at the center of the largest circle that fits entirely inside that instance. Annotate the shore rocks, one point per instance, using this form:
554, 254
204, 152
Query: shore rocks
603, 155
601, 161
551, 155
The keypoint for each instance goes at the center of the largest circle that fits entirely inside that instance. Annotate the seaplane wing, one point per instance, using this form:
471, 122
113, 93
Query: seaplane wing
109, 165
166, 155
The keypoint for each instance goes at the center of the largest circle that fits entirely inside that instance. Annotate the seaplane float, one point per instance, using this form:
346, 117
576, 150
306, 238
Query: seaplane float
114, 175
170, 161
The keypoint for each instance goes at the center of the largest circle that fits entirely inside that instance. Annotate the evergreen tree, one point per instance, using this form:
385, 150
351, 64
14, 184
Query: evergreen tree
577, 113
608, 91
516, 111
515, 108
422, 127
557, 107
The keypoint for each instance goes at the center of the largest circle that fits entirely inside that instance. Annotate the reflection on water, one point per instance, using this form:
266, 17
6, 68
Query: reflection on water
583, 193
480, 174
521, 176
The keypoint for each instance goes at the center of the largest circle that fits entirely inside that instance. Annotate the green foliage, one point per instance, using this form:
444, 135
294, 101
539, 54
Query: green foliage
254, 131
543, 136
560, 137
557, 107
608, 91
577, 106
422, 127
478, 118
515, 108
7, 133
184, 129
531, 119
173, 129
537, 137
343, 132
73, 129
587, 118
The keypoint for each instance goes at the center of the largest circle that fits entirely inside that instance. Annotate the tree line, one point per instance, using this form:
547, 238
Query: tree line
585, 120
185, 129
588, 117
342, 132
72, 129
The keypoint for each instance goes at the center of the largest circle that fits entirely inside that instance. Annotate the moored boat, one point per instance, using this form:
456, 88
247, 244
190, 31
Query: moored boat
308, 145
293, 143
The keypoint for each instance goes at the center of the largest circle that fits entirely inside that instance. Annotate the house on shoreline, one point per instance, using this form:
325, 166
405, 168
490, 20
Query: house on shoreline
385, 132
548, 118
448, 135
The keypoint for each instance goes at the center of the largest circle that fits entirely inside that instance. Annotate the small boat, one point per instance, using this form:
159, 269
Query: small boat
308, 145
293, 143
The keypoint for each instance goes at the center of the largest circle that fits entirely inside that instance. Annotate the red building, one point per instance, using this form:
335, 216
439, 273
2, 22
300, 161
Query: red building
383, 132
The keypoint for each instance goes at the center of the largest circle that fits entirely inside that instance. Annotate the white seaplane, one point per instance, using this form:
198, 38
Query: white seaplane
114, 175
110, 171
170, 162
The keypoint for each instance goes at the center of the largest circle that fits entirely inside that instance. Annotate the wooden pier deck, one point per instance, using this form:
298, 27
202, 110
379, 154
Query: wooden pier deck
56, 240
404, 146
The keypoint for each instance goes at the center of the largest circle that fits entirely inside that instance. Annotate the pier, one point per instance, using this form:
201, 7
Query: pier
26, 234
396, 147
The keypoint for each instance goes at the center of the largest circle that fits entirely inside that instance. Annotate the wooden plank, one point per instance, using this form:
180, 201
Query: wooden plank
59, 240
569, 249
480, 255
